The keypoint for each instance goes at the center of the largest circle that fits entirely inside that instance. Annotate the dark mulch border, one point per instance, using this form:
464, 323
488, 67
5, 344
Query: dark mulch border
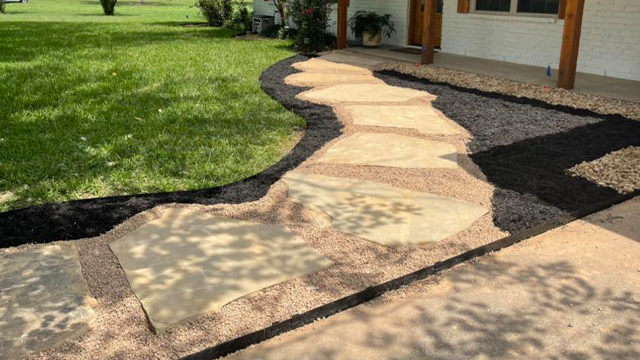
92, 217
525, 147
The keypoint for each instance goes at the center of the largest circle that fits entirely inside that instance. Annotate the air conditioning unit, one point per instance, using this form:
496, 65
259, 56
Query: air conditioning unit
262, 23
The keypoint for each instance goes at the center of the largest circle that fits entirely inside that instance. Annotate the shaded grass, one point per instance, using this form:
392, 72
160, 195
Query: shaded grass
95, 106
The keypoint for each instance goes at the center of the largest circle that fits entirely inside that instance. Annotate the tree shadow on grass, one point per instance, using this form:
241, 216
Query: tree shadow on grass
87, 218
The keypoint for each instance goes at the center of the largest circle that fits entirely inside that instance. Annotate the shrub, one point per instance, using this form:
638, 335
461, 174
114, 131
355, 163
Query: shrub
217, 12
311, 17
241, 20
108, 6
2, 7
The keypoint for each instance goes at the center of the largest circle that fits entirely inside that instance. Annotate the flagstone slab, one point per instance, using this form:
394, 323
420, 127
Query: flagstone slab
353, 59
187, 263
423, 118
329, 79
391, 150
363, 93
381, 213
324, 66
44, 300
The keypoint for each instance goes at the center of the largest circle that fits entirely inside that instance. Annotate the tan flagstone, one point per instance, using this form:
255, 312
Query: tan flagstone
353, 59
324, 79
363, 93
423, 118
391, 150
324, 66
187, 263
381, 213
44, 299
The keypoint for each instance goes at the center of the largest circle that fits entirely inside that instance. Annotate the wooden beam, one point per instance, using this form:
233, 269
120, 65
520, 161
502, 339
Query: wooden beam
342, 23
570, 44
562, 9
464, 5
428, 31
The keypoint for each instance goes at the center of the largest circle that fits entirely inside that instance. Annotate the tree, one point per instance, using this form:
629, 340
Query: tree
108, 6
283, 10
2, 7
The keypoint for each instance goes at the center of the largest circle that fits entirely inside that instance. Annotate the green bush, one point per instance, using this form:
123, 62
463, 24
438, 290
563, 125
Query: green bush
311, 17
109, 6
217, 12
242, 19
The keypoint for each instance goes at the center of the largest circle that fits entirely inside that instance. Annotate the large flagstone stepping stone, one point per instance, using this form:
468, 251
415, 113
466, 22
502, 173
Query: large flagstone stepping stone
353, 59
44, 300
322, 79
381, 213
363, 93
422, 118
318, 65
187, 263
391, 150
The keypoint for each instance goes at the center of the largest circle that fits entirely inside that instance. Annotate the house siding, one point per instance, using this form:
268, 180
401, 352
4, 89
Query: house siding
609, 45
610, 42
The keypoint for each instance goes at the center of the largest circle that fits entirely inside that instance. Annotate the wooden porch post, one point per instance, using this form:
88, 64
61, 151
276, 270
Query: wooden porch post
428, 31
342, 23
570, 43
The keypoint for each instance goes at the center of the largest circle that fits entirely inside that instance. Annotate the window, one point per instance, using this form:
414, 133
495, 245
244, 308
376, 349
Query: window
517, 6
538, 6
493, 5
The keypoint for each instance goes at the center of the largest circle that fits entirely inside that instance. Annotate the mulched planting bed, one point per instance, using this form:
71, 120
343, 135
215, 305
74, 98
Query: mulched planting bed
526, 147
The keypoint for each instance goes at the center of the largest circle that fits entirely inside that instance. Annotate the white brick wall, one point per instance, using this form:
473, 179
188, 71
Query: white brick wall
610, 42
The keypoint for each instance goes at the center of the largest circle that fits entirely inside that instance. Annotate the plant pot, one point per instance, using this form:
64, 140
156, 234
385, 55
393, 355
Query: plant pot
371, 40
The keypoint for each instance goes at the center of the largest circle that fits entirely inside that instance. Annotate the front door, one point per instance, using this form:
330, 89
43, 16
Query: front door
416, 19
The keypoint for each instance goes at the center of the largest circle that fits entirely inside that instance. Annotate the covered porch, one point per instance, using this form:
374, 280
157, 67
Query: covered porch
567, 76
584, 83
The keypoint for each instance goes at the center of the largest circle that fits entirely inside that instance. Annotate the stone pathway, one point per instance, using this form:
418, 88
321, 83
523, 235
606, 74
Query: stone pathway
393, 151
182, 262
381, 213
187, 262
554, 296
44, 299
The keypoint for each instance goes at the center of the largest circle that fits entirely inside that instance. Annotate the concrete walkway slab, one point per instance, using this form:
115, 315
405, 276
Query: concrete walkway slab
187, 263
381, 213
44, 300
363, 93
571, 293
329, 79
423, 118
391, 150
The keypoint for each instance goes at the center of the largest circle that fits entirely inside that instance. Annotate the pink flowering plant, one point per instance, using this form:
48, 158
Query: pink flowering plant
311, 18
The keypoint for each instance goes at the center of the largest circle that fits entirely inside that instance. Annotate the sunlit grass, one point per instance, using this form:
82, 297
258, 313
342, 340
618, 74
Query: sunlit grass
94, 106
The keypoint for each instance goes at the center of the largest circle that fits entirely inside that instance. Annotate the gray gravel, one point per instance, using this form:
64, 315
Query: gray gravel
598, 104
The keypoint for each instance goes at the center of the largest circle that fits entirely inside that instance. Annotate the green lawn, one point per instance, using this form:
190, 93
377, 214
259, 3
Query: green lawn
94, 106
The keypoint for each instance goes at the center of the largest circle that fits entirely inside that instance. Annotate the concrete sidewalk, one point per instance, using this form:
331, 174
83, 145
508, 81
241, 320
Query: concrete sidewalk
570, 293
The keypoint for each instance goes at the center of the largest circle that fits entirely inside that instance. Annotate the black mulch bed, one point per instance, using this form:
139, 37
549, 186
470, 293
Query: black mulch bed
525, 147
88, 218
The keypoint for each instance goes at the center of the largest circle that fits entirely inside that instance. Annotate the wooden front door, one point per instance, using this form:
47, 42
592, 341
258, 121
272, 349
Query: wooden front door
415, 23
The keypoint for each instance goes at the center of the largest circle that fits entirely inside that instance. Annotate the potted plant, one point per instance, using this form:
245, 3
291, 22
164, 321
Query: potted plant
369, 27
